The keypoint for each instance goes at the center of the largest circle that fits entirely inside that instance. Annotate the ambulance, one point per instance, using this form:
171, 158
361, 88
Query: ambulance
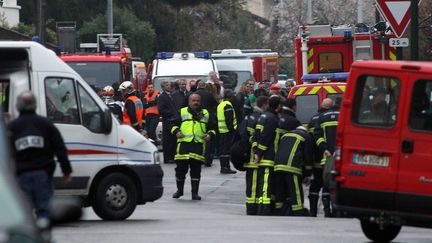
114, 167
383, 160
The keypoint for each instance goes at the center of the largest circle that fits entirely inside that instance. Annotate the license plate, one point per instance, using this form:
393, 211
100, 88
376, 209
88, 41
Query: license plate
371, 160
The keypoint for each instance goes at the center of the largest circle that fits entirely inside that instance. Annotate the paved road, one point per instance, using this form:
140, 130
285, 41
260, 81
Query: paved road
219, 217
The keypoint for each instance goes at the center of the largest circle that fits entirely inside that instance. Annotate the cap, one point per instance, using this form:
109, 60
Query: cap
274, 87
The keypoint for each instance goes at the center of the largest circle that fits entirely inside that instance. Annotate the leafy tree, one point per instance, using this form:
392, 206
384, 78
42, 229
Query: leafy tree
140, 35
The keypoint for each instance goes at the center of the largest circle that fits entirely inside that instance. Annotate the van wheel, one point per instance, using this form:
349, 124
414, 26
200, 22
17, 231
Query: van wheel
376, 234
114, 197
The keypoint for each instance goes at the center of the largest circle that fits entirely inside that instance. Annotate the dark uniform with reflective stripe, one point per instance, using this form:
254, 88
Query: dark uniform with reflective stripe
317, 171
294, 156
287, 122
265, 148
190, 151
325, 137
250, 166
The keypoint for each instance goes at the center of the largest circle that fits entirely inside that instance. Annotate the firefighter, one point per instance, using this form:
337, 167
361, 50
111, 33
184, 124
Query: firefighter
294, 155
227, 126
317, 171
325, 137
288, 120
264, 153
133, 109
116, 107
250, 142
151, 111
193, 130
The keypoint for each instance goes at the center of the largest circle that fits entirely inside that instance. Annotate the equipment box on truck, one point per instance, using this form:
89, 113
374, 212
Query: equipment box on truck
115, 167
383, 160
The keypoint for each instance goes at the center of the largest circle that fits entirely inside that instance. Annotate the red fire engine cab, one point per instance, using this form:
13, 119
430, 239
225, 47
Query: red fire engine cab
326, 49
104, 63
265, 64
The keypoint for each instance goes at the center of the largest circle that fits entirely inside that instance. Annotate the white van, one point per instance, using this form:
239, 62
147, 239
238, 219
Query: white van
170, 66
114, 167
234, 67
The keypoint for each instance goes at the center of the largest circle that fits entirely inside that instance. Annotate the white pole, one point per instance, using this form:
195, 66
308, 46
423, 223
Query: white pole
309, 12
110, 16
360, 6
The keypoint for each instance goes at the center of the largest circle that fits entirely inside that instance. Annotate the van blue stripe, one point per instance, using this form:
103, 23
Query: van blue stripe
107, 146
105, 160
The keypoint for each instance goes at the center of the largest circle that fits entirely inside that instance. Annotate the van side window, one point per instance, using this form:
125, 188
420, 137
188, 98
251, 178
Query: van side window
91, 113
376, 101
421, 106
330, 62
61, 102
4, 95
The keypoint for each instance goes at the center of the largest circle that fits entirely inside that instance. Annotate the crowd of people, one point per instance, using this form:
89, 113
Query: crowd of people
255, 129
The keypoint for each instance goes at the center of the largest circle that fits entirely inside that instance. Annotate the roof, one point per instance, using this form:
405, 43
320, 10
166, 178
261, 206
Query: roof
95, 57
42, 59
414, 66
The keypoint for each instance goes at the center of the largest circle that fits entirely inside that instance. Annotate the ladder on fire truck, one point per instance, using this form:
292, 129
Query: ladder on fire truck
362, 49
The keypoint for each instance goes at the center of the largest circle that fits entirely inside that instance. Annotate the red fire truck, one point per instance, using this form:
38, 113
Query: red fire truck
265, 64
326, 49
104, 63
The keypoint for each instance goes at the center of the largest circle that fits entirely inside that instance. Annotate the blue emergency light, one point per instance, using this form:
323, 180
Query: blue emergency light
164, 55
331, 77
202, 54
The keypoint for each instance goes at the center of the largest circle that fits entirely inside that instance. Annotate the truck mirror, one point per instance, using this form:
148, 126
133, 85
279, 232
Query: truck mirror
107, 121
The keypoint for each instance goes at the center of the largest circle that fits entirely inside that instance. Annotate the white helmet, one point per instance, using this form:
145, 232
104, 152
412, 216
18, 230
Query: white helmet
107, 91
127, 86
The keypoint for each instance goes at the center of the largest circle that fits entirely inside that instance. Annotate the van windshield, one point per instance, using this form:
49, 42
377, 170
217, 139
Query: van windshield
234, 79
98, 74
307, 106
158, 80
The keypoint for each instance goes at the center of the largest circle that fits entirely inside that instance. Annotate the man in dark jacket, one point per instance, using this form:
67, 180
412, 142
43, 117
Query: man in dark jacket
264, 153
208, 102
180, 96
34, 142
169, 113
288, 120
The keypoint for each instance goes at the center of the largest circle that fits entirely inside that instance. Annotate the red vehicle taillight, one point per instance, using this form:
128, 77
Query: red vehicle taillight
338, 155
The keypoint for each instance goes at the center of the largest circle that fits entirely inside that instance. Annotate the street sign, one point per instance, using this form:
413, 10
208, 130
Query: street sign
399, 42
397, 13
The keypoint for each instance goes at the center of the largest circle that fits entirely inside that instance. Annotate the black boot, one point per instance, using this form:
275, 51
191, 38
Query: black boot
180, 186
195, 188
313, 204
225, 166
326, 204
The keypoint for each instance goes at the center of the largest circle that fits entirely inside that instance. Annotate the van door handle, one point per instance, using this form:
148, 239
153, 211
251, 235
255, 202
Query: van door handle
408, 146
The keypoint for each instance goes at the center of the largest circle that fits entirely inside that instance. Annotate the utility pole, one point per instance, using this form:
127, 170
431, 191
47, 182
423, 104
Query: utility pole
414, 30
110, 16
41, 21
360, 6
309, 12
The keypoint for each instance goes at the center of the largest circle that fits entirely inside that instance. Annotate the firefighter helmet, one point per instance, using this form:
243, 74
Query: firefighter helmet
107, 91
127, 86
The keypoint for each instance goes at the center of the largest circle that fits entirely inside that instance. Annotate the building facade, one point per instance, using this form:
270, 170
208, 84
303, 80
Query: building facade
9, 13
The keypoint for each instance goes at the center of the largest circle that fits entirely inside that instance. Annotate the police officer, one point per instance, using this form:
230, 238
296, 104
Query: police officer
133, 109
249, 136
151, 111
264, 153
116, 107
227, 126
193, 130
325, 137
34, 142
169, 114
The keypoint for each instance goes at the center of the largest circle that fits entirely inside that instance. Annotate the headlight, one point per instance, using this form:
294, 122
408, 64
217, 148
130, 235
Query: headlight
156, 158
